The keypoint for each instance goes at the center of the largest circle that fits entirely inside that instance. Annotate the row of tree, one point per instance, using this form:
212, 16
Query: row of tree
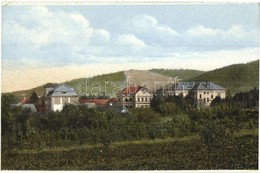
168, 117
176, 104
77, 124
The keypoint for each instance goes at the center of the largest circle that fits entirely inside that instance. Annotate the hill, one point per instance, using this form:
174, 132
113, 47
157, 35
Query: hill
106, 83
143, 77
97, 83
180, 73
235, 78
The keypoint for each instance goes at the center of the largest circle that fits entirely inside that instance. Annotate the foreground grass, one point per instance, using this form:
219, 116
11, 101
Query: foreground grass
238, 152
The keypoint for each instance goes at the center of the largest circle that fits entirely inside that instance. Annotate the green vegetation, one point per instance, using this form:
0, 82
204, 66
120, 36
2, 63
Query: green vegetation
187, 154
181, 73
27, 93
172, 135
102, 83
235, 78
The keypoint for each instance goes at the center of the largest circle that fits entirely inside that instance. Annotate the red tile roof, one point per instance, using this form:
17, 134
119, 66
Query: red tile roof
24, 101
113, 100
131, 90
96, 101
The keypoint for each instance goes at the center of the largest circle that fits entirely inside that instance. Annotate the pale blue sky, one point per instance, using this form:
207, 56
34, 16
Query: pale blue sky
171, 35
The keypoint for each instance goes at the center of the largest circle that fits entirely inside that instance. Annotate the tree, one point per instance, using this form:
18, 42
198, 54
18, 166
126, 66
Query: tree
7, 113
34, 98
216, 101
157, 100
189, 99
169, 109
211, 132
180, 125
107, 131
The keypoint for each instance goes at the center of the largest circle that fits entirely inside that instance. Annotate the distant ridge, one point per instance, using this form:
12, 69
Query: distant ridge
235, 78
180, 73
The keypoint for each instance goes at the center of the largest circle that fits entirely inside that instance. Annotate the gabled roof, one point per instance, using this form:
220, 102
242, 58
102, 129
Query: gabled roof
198, 85
185, 85
206, 85
131, 90
62, 90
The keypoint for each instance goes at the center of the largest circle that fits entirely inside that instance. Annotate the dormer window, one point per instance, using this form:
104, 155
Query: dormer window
64, 92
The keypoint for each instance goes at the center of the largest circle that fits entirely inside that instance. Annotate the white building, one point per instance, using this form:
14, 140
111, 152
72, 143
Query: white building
135, 97
203, 91
57, 97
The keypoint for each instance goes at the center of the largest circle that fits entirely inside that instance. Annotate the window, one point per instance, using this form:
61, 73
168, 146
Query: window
146, 99
200, 96
138, 99
142, 99
130, 99
56, 100
126, 99
204, 92
204, 100
207, 92
207, 99
212, 96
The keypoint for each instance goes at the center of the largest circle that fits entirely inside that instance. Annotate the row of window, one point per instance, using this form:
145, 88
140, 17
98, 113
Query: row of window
144, 99
138, 99
139, 106
211, 96
64, 100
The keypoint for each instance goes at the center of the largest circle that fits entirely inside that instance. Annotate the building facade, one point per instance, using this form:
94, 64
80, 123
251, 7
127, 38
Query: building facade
135, 97
203, 91
57, 97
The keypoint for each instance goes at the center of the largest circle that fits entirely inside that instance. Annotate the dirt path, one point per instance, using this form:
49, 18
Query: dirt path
147, 78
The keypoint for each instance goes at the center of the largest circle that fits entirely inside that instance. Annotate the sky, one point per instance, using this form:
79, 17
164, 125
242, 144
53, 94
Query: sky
56, 43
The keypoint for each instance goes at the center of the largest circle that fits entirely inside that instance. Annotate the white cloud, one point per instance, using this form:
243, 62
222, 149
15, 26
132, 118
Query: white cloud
149, 23
144, 21
148, 29
200, 30
39, 27
130, 40
237, 32
100, 36
234, 32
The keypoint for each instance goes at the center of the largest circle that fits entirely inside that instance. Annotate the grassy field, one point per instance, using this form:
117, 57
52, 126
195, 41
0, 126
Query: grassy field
235, 78
181, 73
188, 153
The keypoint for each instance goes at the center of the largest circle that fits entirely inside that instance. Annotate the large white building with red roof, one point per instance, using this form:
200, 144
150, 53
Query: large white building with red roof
135, 97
